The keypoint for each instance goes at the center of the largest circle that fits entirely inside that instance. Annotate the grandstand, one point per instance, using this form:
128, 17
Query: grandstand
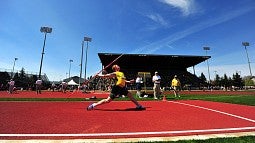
166, 65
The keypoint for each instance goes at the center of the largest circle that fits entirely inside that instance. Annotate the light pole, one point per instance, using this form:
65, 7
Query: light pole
215, 73
44, 30
70, 67
206, 49
88, 39
247, 44
15, 59
81, 61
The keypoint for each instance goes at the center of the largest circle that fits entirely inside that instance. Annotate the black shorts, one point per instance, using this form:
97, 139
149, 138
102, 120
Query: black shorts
117, 90
138, 86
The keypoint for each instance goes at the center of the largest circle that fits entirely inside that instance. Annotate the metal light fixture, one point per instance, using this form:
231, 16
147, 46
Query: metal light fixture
12, 74
70, 67
245, 44
207, 49
88, 39
44, 30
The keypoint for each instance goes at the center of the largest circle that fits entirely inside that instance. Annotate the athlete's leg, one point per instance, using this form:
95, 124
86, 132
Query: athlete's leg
103, 101
155, 91
132, 99
138, 93
175, 93
158, 91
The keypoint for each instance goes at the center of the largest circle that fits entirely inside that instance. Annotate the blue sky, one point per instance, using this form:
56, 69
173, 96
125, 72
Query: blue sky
172, 27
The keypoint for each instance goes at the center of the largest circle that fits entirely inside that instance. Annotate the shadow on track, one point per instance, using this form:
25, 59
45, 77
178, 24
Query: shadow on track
126, 109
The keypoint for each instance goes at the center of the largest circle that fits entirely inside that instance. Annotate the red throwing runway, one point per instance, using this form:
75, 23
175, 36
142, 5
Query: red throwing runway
119, 119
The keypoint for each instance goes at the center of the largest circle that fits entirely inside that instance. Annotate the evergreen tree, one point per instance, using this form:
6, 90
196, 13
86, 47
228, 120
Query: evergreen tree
202, 77
31, 82
217, 80
4, 78
225, 81
237, 80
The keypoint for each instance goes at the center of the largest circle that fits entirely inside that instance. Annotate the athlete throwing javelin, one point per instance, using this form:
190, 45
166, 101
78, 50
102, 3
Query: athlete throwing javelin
118, 89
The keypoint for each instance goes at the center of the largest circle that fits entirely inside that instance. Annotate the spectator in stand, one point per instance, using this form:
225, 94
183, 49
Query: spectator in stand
38, 85
11, 86
156, 88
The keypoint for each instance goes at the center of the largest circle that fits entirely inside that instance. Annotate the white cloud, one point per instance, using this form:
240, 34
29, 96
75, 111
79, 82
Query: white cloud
158, 19
165, 42
187, 7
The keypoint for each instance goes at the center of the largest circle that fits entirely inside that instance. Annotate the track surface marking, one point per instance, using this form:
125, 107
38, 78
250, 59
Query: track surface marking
217, 111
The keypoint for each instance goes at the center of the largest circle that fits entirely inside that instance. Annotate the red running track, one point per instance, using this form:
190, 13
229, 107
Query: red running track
60, 120
50, 94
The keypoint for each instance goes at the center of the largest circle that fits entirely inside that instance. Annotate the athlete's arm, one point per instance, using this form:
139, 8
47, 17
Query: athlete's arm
130, 81
109, 75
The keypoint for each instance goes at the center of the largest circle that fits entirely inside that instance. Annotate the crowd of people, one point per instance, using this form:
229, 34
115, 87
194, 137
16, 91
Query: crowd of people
106, 84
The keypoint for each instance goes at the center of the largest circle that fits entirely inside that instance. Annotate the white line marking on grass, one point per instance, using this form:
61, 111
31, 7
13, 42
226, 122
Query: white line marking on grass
217, 111
128, 133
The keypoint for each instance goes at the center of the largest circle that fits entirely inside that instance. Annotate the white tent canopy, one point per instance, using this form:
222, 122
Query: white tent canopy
71, 82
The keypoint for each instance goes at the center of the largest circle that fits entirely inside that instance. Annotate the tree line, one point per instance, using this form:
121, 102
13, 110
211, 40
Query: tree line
228, 82
26, 81
22, 80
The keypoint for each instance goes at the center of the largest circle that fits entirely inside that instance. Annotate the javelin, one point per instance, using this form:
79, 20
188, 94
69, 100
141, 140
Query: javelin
104, 68
100, 71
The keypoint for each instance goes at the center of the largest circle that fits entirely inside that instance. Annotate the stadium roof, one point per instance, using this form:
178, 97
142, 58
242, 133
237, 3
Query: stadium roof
150, 61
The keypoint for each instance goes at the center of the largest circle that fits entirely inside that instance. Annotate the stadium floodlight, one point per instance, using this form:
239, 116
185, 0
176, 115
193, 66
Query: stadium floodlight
207, 49
245, 44
215, 73
12, 74
70, 67
88, 39
44, 30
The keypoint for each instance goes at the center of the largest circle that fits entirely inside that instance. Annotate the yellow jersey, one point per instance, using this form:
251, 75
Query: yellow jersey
121, 79
176, 82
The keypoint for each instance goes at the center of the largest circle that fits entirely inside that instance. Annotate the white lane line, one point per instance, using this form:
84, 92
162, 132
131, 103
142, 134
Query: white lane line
129, 133
147, 139
217, 111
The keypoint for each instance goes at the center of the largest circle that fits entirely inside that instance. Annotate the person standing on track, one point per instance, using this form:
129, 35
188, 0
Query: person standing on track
156, 88
118, 89
63, 86
11, 86
38, 86
138, 83
176, 85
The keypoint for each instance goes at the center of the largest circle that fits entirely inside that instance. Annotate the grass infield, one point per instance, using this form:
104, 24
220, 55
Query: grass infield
244, 139
234, 99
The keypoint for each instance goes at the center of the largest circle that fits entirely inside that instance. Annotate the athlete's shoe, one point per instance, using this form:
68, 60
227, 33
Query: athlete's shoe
90, 107
140, 107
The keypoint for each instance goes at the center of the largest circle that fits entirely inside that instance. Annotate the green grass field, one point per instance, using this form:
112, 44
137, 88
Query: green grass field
244, 139
234, 99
